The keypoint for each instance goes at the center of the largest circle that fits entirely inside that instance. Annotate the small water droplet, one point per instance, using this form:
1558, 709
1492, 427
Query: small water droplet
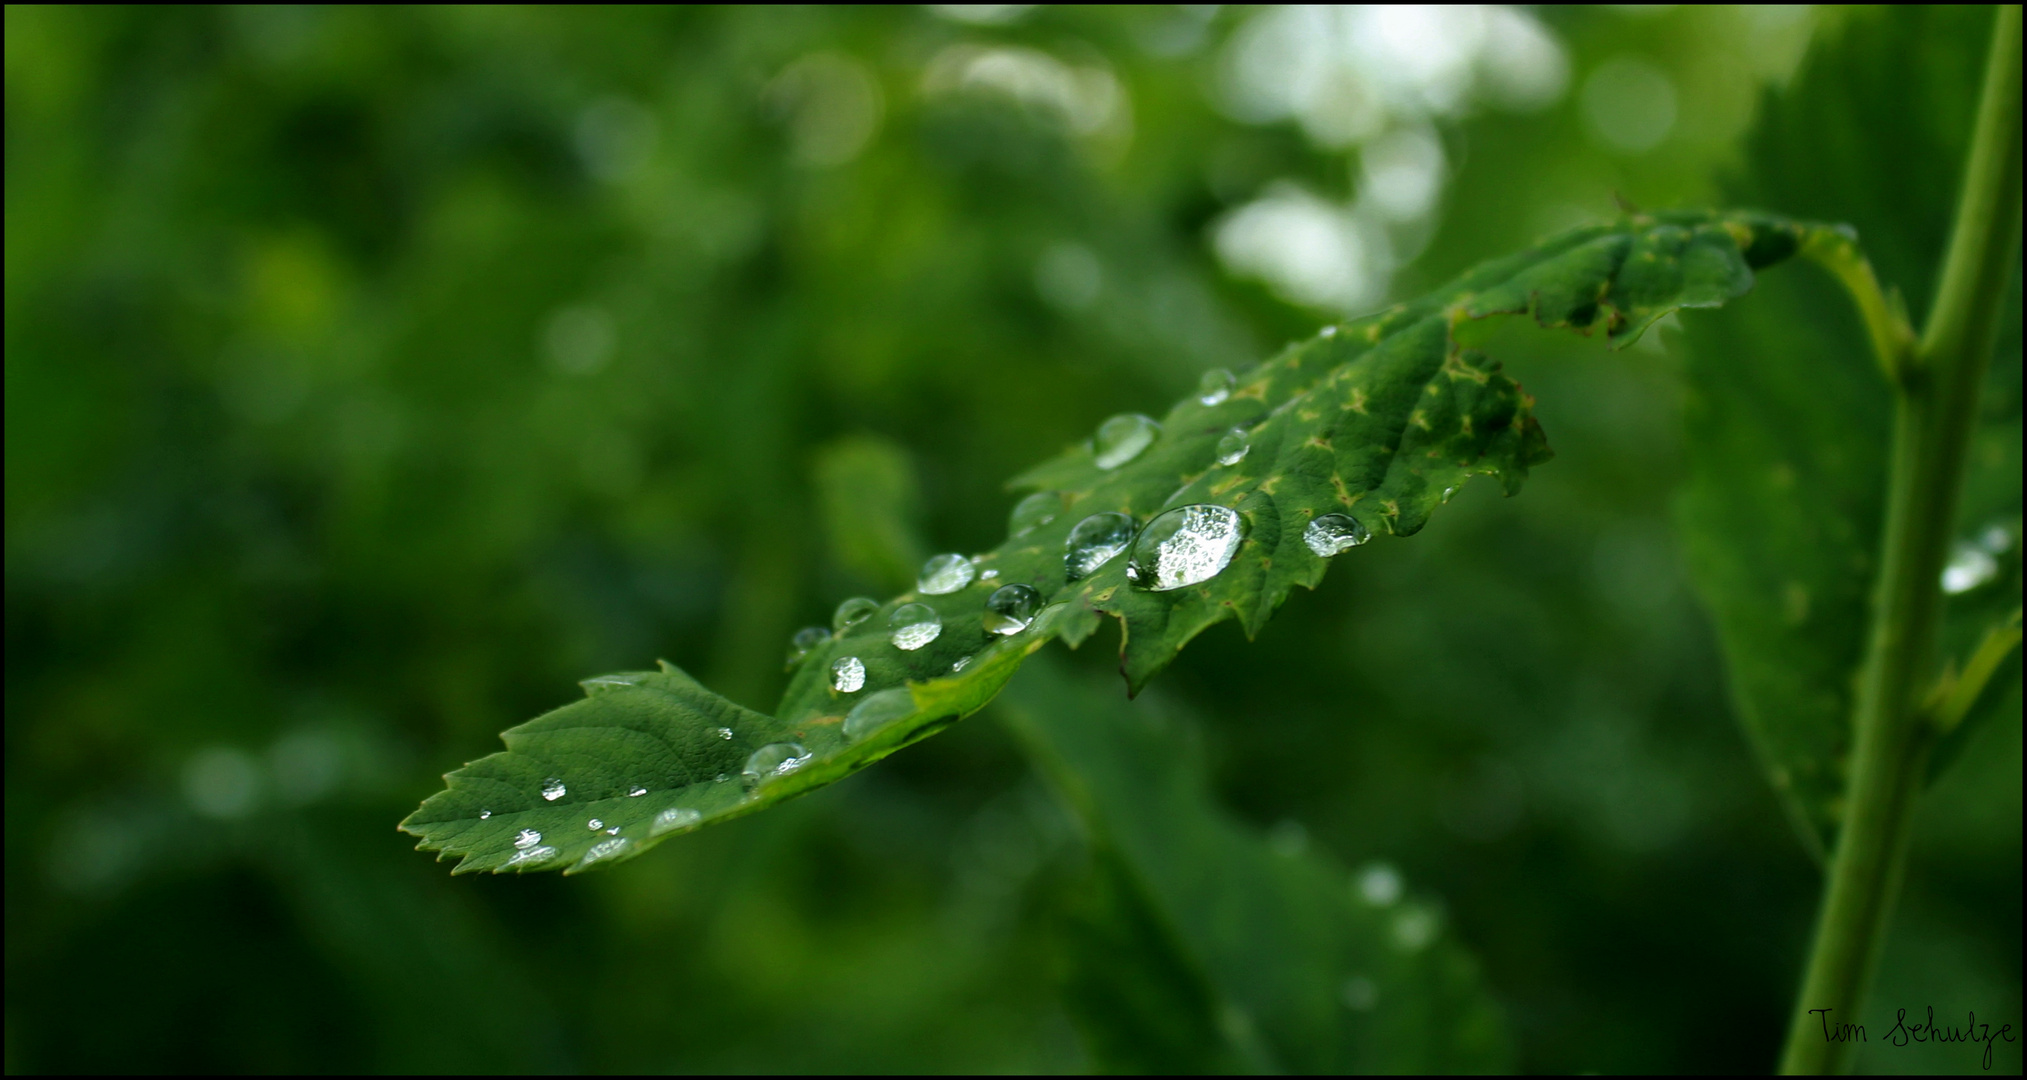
1447, 492
1122, 438
774, 759
853, 612
608, 682
987, 575
528, 838
636, 792
1185, 546
484, 814
1380, 884
1333, 534
1234, 447
530, 856
848, 673
614, 831
595, 824
944, 574
1034, 512
724, 733
675, 817
1995, 539
913, 626
1094, 542
806, 639
553, 789
1214, 387
960, 663
877, 711
1011, 608
1328, 331
1968, 568
722, 777
604, 849
1360, 993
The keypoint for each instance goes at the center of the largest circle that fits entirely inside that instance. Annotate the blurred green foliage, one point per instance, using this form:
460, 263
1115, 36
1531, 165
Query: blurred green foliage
373, 374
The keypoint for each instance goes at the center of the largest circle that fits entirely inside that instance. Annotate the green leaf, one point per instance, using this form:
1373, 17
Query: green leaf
1789, 417
1380, 419
1205, 947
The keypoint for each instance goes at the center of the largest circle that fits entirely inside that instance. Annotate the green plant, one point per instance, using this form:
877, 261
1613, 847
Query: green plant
1319, 427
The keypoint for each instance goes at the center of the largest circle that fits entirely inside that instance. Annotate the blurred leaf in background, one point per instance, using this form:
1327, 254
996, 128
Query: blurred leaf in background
374, 374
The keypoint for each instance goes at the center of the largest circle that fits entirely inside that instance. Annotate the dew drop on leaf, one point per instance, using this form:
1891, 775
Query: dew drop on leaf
1214, 387
853, 612
675, 817
848, 673
805, 639
1094, 542
1969, 567
1123, 437
877, 711
484, 814
604, 849
1328, 331
595, 824
636, 792
530, 856
1185, 546
944, 574
774, 759
553, 789
1334, 534
1011, 608
1034, 512
960, 664
913, 626
614, 831
528, 838
725, 733
1234, 447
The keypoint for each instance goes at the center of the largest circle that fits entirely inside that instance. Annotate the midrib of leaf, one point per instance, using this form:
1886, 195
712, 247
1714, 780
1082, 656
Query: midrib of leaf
1381, 418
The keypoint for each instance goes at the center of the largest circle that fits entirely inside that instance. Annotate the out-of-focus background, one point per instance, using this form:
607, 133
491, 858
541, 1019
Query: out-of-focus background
374, 374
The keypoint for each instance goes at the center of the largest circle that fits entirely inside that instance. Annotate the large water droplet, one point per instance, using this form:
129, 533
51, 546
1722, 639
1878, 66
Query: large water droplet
528, 838
530, 856
594, 824
1333, 534
853, 612
675, 817
913, 626
553, 789
1969, 567
805, 639
1011, 608
774, 759
636, 791
1034, 512
848, 673
1093, 543
1214, 387
1185, 546
945, 574
1234, 447
605, 849
877, 711
1122, 438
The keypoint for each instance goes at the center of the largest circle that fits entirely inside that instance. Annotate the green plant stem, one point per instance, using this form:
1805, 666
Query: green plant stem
1936, 408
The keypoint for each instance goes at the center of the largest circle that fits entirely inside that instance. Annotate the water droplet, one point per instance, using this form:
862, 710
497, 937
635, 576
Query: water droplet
1447, 492
1968, 568
553, 789
484, 814
675, 817
848, 673
1214, 387
1011, 608
944, 574
722, 777
636, 792
877, 711
1414, 928
853, 612
614, 831
608, 682
774, 759
913, 626
528, 838
1380, 884
960, 663
1333, 534
1360, 993
1234, 447
1123, 437
1034, 512
987, 575
530, 856
604, 849
1185, 546
725, 733
1093, 543
595, 824
805, 639
1995, 539
1328, 331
